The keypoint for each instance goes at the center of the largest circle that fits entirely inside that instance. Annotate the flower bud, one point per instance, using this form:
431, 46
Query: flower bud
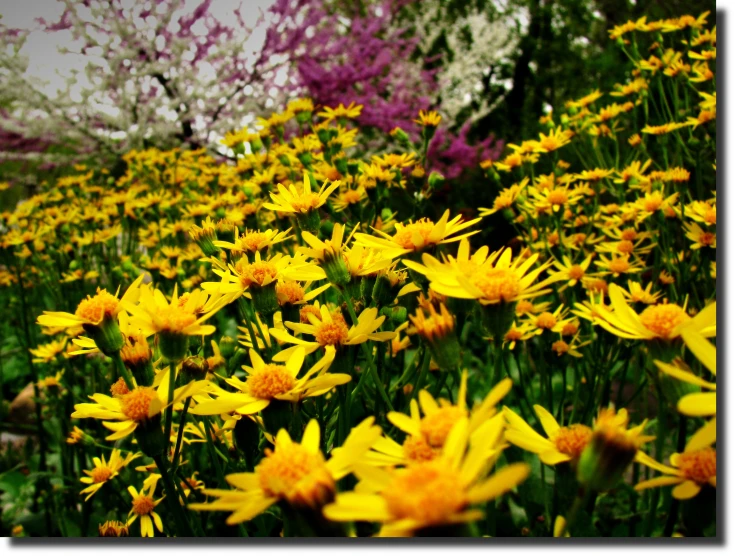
227, 346
173, 346
195, 367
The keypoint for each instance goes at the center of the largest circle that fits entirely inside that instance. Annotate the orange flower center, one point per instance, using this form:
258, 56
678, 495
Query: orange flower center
351, 196
497, 284
135, 404
428, 492
252, 241
575, 272
174, 319
414, 236
143, 505
415, 448
513, 335
436, 427
570, 329
560, 347
524, 306
619, 265
289, 292
625, 246
332, 333
707, 238
710, 216
95, 309
119, 388
270, 381
629, 234
558, 196
572, 440
259, 273
699, 466
663, 319
546, 320
296, 474
305, 202
653, 203
101, 474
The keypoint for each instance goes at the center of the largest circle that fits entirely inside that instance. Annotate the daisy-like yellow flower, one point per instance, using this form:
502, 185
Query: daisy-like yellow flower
518, 333
491, 279
506, 198
699, 237
113, 528
427, 434
561, 445
617, 265
435, 493
351, 111
46, 353
144, 507
428, 118
663, 321
297, 473
418, 236
695, 468
124, 414
252, 241
331, 330
97, 316
663, 129
556, 139
104, 470
302, 203
267, 382
570, 271
638, 294
554, 198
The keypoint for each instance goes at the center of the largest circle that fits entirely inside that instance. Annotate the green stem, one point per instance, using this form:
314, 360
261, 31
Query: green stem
123, 370
180, 437
183, 527
170, 407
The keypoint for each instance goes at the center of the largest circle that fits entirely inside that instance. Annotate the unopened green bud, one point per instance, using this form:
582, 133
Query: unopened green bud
227, 346
436, 180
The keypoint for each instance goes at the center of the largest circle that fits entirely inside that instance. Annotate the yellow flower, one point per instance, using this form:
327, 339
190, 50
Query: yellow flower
554, 140
183, 315
417, 236
124, 414
92, 311
428, 118
104, 471
290, 200
569, 271
331, 330
268, 382
297, 473
46, 353
113, 529
352, 111
252, 241
691, 470
699, 237
430, 494
562, 444
144, 507
490, 279
663, 129
426, 436
664, 321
